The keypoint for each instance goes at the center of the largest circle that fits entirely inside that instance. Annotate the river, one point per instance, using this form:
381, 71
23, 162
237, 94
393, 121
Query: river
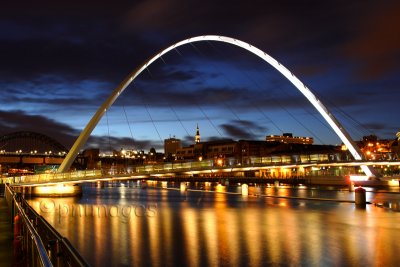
121, 224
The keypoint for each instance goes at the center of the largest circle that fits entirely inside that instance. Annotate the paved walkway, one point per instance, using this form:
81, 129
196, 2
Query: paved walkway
6, 235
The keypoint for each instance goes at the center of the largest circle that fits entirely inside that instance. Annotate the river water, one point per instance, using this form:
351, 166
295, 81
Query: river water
125, 225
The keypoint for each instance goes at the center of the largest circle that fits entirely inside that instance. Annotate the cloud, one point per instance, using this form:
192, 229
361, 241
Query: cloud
242, 129
375, 45
111, 143
66, 58
17, 120
375, 126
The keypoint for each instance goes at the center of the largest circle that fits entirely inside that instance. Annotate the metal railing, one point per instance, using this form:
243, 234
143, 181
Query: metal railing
179, 167
39, 243
51, 177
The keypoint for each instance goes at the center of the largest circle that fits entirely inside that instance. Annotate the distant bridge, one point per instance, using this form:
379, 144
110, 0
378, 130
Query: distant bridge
31, 142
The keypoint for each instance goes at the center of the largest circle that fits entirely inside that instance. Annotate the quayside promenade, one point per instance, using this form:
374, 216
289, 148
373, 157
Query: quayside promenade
6, 233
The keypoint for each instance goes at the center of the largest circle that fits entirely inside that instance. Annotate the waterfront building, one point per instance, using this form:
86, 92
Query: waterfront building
171, 145
223, 152
185, 153
395, 148
288, 138
193, 151
378, 149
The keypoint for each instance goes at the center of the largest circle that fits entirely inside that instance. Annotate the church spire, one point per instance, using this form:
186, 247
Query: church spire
197, 137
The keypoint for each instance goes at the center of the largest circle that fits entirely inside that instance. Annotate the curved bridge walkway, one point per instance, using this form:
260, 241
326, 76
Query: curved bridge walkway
188, 169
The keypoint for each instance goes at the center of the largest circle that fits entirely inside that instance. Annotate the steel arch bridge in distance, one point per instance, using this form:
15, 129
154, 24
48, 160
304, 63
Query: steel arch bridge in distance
321, 108
30, 141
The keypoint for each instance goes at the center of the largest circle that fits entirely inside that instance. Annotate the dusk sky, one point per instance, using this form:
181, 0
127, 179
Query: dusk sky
60, 60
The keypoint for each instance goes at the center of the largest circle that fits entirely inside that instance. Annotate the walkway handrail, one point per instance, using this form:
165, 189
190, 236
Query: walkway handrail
53, 249
44, 259
40, 248
256, 162
55, 241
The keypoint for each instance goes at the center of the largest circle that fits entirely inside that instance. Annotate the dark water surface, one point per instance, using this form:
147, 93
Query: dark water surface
129, 226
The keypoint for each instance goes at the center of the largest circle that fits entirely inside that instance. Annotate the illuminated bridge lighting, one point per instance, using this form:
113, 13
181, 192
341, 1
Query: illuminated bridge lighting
328, 116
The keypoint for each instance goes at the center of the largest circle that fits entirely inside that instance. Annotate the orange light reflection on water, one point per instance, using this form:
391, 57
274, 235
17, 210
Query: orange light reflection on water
199, 229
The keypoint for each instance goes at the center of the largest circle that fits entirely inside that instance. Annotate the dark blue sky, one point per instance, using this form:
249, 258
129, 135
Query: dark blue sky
61, 59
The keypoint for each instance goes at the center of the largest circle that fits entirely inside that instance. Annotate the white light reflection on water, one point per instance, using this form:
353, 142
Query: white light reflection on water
160, 227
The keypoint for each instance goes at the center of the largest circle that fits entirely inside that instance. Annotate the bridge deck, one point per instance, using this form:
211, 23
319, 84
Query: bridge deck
189, 169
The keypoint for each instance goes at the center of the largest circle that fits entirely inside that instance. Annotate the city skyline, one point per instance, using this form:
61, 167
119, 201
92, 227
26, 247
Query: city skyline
63, 60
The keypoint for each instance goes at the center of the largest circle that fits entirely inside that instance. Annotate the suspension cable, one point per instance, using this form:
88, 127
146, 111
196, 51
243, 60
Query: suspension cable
229, 82
198, 105
180, 121
259, 108
358, 125
213, 125
257, 86
108, 128
285, 109
129, 126
148, 112
173, 110
152, 121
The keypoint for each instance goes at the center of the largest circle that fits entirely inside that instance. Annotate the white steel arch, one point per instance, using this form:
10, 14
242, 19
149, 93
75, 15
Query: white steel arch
332, 121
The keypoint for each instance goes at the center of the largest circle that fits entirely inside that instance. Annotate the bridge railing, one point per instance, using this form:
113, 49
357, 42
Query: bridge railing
51, 177
37, 243
164, 168
26, 239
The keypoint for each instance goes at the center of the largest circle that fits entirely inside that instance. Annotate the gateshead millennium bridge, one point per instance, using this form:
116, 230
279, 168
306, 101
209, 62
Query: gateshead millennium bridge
64, 176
